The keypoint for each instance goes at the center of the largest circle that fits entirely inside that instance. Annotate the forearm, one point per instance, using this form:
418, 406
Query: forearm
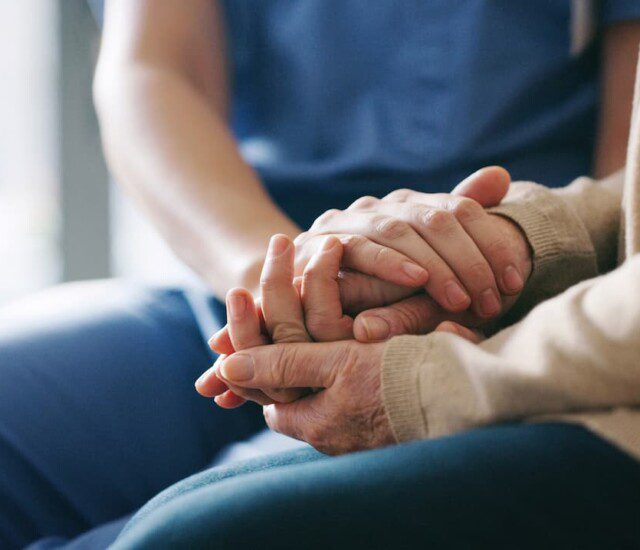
172, 151
575, 353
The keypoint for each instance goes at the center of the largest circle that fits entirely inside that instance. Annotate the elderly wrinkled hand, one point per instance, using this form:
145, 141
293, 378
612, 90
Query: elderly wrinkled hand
287, 306
345, 411
327, 394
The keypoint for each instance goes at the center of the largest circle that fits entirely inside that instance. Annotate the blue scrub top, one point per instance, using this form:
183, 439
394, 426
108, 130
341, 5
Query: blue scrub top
335, 99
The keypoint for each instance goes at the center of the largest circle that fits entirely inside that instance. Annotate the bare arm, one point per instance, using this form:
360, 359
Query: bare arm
619, 60
161, 95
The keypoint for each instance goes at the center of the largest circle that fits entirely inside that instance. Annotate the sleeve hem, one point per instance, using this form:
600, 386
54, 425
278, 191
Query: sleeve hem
563, 253
400, 386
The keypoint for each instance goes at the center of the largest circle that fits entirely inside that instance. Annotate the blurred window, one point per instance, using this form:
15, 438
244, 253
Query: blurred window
28, 173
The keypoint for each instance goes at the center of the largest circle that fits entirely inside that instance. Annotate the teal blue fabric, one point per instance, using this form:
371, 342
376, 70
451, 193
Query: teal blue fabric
519, 486
98, 412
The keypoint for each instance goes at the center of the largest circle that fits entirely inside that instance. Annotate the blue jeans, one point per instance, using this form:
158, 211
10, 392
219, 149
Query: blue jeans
98, 414
512, 486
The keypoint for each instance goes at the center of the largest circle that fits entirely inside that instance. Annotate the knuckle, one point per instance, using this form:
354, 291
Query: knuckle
353, 243
498, 248
480, 273
270, 284
435, 266
315, 320
399, 195
416, 212
302, 239
438, 219
408, 320
319, 325
391, 228
312, 273
467, 210
363, 203
287, 331
280, 366
381, 259
325, 218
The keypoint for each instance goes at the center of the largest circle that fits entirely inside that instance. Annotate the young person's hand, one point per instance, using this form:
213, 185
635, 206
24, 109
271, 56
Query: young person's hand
468, 256
286, 310
495, 250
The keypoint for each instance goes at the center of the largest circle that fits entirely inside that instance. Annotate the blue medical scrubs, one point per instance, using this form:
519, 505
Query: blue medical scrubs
332, 99
336, 99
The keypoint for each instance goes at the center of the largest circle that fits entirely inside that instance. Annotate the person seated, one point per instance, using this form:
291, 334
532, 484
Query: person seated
229, 122
474, 473
526, 438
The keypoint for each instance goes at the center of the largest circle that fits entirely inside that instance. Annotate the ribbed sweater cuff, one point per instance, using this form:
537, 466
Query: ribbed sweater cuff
563, 253
402, 360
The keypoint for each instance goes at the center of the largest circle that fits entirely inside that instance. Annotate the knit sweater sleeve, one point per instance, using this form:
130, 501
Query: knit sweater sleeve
572, 231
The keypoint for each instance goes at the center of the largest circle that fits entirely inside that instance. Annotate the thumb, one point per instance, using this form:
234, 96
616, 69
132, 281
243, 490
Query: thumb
293, 365
488, 186
415, 315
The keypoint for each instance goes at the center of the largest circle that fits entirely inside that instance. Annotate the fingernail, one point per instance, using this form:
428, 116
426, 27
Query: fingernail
204, 377
414, 271
213, 341
238, 368
512, 279
278, 245
455, 295
237, 305
489, 303
376, 328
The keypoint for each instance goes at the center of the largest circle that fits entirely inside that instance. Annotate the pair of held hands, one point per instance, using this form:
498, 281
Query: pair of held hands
409, 263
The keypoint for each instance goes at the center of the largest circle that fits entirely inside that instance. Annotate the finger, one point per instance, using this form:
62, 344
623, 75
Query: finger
281, 305
257, 396
323, 315
446, 235
209, 384
303, 365
456, 250
212, 384
414, 315
389, 231
365, 256
220, 342
488, 186
229, 400
242, 320
487, 236
359, 292
457, 329
494, 245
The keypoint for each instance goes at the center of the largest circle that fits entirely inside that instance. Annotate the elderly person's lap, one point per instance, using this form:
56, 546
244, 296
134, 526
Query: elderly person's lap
511, 486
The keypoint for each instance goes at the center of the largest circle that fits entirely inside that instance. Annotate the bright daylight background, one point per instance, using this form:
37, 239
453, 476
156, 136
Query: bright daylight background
60, 220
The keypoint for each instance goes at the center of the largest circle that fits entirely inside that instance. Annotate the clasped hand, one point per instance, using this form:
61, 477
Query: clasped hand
391, 266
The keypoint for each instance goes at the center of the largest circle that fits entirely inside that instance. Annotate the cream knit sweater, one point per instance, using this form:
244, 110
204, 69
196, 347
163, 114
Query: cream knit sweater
574, 355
